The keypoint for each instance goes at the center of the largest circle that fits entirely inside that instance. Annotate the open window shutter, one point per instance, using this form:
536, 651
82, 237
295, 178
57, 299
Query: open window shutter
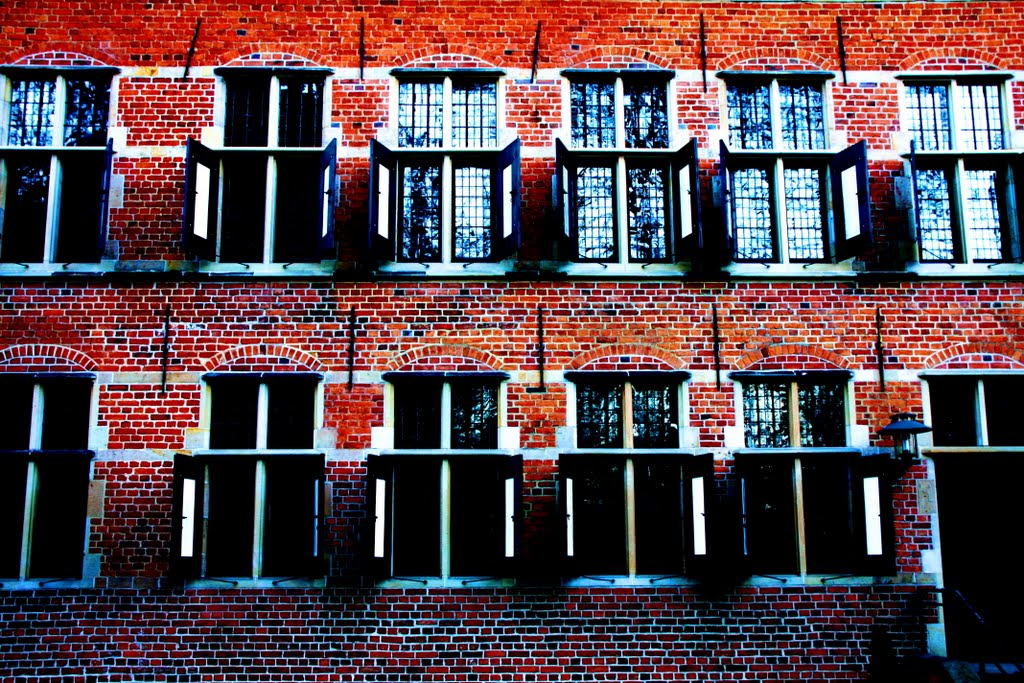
508, 200
1015, 208
688, 237
513, 488
567, 504
851, 200
873, 517
381, 488
328, 197
383, 186
699, 480
187, 515
563, 203
915, 202
727, 242
101, 229
202, 178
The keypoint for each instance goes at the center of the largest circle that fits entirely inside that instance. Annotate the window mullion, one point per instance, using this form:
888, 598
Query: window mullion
980, 412
446, 518
798, 502
778, 196
52, 210
627, 415
961, 236
446, 415
259, 508
775, 107
447, 126
447, 231
629, 481
620, 114
621, 209
262, 415
31, 494
35, 435
270, 211
274, 113
60, 92
794, 414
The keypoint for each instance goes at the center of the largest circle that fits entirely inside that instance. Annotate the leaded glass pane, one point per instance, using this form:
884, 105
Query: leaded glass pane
935, 223
245, 123
301, 119
928, 107
474, 114
752, 216
979, 119
599, 415
85, 117
472, 213
474, 416
31, 113
592, 109
803, 214
420, 113
645, 196
421, 214
749, 113
595, 213
803, 116
418, 415
766, 415
822, 416
655, 416
981, 215
646, 115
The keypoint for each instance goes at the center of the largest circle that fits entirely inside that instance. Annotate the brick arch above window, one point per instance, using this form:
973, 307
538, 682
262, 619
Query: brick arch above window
626, 357
777, 59
63, 58
618, 57
792, 357
445, 358
263, 358
945, 59
272, 56
471, 58
975, 356
44, 358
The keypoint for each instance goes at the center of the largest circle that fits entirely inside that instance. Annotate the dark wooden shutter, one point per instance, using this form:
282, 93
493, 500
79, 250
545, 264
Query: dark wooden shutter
383, 225
101, 228
187, 562
726, 237
380, 488
851, 200
199, 239
869, 467
508, 201
564, 241
328, 199
687, 235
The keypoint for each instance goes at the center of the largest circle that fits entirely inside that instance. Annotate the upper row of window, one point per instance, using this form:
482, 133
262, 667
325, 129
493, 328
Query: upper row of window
444, 181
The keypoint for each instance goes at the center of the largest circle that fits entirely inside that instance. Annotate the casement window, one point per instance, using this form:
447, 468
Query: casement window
252, 505
816, 513
447, 190
965, 193
787, 197
268, 195
975, 410
625, 194
55, 161
794, 409
44, 474
633, 503
445, 502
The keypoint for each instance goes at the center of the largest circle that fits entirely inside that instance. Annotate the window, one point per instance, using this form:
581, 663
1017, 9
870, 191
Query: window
54, 164
779, 176
252, 506
445, 502
975, 410
963, 188
44, 474
268, 195
794, 409
633, 504
448, 190
626, 195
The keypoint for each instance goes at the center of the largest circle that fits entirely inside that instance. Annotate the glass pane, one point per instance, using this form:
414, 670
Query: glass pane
418, 415
66, 415
803, 116
752, 215
953, 407
766, 415
599, 415
981, 215
1002, 410
474, 114
230, 517
85, 118
595, 213
770, 518
822, 415
31, 113
474, 416
298, 215
290, 414
646, 115
803, 214
599, 517
979, 119
592, 109
301, 117
749, 113
81, 200
645, 197
416, 529
934, 219
477, 517
233, 414
24, 216
421, 214
660, 543
828, 516
243, 209
245, 120
290, 528
12, 511
15, 414
420, 114
928, 109
472, 208
58, 518
655, 416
